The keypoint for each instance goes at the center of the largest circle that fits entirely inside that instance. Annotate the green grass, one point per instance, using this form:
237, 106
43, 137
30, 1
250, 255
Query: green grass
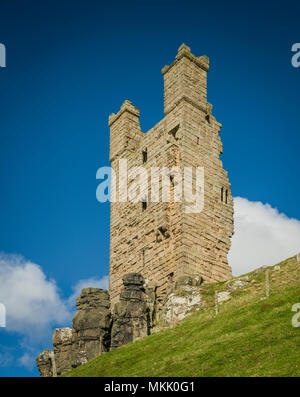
249, 337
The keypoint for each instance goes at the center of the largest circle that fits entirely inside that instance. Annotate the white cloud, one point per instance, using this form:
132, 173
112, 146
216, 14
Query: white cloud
34, 307
33, 304
89, 282
263, 236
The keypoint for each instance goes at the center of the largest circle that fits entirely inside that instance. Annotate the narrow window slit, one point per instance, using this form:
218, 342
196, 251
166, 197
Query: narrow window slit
172, 179
145, 156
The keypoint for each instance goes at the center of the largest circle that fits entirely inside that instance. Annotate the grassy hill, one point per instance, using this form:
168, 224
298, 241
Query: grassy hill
251, 336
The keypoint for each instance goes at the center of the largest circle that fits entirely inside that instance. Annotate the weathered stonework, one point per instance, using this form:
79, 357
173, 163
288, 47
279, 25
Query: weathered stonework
184, 297
46, 364
62, 343
150, 291
162, 241
91, 325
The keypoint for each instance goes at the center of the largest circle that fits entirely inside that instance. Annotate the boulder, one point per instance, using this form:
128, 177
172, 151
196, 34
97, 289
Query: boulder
184, 298
91, 326
62, 344
131, 315
46, 364
177, 307
236, 284
192, 281
223, 296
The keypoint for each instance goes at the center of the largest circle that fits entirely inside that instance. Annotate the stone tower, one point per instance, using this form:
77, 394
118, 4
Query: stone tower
161, 240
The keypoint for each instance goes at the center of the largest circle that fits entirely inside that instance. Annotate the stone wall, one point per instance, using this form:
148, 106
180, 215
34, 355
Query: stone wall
162, 241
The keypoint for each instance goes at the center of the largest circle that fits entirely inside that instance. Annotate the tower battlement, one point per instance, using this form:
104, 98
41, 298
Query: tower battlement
126, 107
160, 240
185, 79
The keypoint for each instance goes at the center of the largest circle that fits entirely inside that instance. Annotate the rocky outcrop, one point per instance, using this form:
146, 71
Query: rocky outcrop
88, 338
62, 344
182, 300
131, 316
95, 330
223, 296
91, 325
46, 364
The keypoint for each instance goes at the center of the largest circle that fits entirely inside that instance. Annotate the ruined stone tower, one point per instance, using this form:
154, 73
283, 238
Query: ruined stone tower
161, 240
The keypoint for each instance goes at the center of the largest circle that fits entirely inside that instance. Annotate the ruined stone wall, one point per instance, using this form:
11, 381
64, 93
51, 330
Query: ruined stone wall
162, 241
206, 236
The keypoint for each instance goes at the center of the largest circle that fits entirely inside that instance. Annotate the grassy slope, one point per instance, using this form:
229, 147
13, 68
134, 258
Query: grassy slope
249, 337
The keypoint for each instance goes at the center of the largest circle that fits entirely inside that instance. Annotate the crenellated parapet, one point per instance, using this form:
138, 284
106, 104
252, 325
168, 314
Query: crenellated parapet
125, 131
186, 80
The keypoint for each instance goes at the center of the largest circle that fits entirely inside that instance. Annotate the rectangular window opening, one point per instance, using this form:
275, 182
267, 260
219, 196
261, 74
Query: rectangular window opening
145, 156
143, 256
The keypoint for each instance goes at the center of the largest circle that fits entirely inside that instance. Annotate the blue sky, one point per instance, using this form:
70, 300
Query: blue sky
72, 63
